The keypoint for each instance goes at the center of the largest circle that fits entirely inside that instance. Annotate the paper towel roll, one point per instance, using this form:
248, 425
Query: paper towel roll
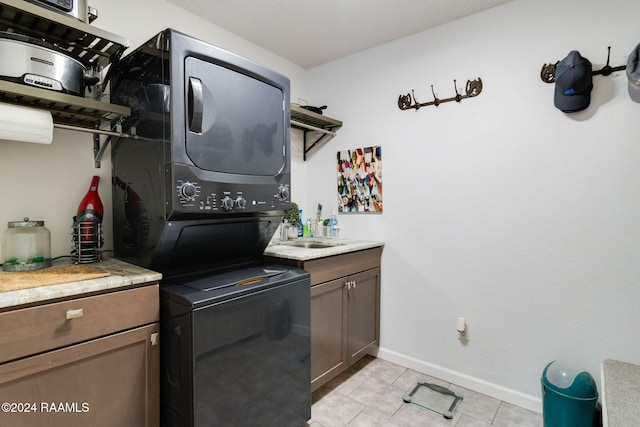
25, 124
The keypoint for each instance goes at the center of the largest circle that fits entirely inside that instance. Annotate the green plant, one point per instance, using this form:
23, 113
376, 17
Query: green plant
291, 215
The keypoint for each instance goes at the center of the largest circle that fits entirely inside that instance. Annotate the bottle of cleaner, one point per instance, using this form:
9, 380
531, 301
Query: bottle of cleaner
300, 225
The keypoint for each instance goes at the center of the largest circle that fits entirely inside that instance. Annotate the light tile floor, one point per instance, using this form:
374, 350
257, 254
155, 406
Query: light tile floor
369, 394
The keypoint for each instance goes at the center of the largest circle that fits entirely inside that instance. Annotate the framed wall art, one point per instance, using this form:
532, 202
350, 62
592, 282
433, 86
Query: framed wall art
360, 180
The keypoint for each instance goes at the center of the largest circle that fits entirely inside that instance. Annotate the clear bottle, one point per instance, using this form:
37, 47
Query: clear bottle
308, 228
333, 223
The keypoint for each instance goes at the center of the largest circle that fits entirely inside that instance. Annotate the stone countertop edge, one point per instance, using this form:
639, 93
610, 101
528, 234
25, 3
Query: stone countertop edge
122, 274
620, 393
285, 250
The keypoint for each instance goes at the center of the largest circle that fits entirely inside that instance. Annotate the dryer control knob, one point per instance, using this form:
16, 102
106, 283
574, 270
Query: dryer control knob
283, 192
241, 202
188, 191
227, 203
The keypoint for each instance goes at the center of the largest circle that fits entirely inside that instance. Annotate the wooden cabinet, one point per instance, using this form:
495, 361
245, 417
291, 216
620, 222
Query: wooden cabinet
329, 314
345, 310
345, 323
363, 332
100, 367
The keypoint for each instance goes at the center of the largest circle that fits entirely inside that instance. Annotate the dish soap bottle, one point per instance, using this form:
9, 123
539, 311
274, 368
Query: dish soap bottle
300, 226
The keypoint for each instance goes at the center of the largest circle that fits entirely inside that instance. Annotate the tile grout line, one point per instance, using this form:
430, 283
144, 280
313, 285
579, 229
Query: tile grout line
496, 414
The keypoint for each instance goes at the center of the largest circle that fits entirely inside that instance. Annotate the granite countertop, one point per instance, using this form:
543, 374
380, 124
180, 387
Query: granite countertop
620, 393
330, 247
122, 274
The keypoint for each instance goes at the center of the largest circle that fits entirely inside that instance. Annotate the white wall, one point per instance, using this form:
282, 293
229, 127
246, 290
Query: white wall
48, 182
502, 209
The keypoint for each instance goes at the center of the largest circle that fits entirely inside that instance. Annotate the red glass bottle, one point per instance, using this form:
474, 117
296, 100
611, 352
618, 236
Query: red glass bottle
90, 213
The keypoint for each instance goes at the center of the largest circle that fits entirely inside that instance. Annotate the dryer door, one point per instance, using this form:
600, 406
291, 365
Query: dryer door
234, 123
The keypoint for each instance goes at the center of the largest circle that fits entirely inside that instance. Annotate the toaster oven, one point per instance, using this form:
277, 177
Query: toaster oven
78, 9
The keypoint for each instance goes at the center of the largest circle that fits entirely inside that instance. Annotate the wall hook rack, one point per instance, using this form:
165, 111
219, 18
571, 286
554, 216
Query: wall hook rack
548, 72
409, 101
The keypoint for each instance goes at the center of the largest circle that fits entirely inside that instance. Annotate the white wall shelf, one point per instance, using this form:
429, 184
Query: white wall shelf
314, 125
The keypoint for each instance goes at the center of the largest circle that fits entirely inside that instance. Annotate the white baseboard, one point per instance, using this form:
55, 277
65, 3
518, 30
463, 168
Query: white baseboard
517, 398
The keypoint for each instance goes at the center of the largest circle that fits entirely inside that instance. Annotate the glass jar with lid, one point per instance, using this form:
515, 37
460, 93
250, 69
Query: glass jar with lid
27, 246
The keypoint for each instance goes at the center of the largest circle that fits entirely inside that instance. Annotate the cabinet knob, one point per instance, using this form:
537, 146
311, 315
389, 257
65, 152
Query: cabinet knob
73, 314
155, 338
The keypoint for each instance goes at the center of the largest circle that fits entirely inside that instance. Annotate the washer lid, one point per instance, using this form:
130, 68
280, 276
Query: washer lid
235, 278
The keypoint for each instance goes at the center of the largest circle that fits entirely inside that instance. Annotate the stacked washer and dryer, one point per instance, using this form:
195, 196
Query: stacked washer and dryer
198, 192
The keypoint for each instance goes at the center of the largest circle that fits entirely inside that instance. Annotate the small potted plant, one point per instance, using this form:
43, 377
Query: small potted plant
292, 218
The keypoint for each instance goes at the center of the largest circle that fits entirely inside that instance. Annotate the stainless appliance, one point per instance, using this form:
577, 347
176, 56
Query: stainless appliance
37, 63
197, 195
78, 9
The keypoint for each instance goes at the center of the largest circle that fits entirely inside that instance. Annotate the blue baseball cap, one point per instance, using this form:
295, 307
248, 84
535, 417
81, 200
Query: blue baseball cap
633, 74
574, 81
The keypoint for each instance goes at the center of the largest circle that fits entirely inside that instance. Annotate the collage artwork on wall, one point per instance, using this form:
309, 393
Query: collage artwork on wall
360, 180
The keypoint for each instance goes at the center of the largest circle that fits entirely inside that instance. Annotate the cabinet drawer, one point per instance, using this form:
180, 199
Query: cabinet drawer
35, 329
330, 268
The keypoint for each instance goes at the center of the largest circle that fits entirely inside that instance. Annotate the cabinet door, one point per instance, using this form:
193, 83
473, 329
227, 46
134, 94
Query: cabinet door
110, 381
328, 331
364, 309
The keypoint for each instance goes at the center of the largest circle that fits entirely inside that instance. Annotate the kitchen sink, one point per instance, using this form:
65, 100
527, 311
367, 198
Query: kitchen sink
313, 244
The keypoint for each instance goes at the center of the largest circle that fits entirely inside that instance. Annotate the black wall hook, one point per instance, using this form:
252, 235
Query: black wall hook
409, 101
606, 70
548, 72
436, 101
